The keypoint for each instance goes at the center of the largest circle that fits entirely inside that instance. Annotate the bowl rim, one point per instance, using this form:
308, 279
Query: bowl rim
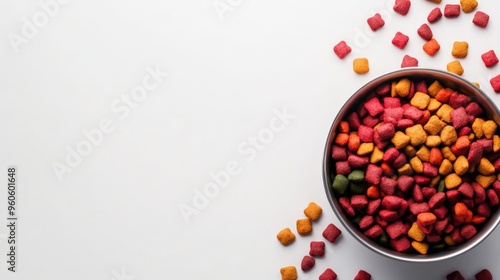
356, 97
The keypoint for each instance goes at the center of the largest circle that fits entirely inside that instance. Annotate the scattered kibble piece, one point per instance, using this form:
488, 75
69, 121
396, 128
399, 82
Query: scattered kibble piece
495, 83
425, 32
489, 58
328, 274
361, 65
409, 61
468, 5
288, 273
460, 49
455, 275
313, 211
304, 226
376, 22
317, 248
451, 10
342, 49
286, 236
402, 7
363, 275
307, 263
434, 15
455, 67
481, 19
431, 47
331, 233
400, 40
484, 274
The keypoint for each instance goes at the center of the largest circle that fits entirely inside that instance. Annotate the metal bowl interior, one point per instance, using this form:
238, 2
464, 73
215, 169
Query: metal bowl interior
448, 80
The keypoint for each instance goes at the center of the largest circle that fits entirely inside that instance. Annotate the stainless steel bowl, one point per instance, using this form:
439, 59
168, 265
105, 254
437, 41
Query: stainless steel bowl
448, 80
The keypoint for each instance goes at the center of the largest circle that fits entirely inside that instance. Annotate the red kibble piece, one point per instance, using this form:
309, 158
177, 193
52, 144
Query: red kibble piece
402, 7
386, 131
331, 233
456, 236
391, 102
459, 118
342, 167
492, 197
421, 180
390, 155
434, 15
388, 185
404, 124
484, 275
466, 190
381, 222
458, 100
489, 58
339, 153
413, 113
468, 231
496, 187
453, 196
475, 153
328, 274
417, 192
342, 49
392, 115
376, 22
440, 225
428, 192
396, 229
495, 83
481, 19
373, 206
430, 170
449, 228
409, 61
353, 120
370, 121
363, 275
399, 161
366, 222
391, 202
373, 174
373, 106
307, 263
479, 193
317, 248
474, 109
417, 208
437, 200
455, 275
374, 231
400, 40
451, 10
359, 201
357, 161
400, 244
405, 182
487, 144
421, 87
433, 238
345, 203
388, 215
383, 89
365, 134
425, 32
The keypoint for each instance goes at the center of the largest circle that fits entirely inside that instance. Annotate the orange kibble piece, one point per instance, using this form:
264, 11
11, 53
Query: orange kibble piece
354, 142
452, 181
304, 226
360, 65
423, 154
485, 167
485, 180
377, 155
446, 167
448, 154
341, 139
313, 211
496, 143
344, 127
426, 218
468, 5
443, 95
460, 49
489, 127
431, 47
372, 192
434, 88
455, 67
420, 247
286, 236
435, 157
403, 87
478, 220
420, 100
434, 125
288, 273
460, 209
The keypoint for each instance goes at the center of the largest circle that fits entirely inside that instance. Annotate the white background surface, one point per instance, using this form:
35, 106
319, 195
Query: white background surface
116, 215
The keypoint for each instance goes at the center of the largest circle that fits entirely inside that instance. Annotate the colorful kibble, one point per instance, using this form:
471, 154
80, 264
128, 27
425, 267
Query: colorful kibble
342, 49
481, 19
425, 32
288, 273
286, 236
304, 226
484, 274
431, 47
451, 10
313, 211
489, 58
360, 65
317, 248
455, 67
455, 275
375, 22
495, 83
363, 275
331, 233
328, 274
460, 49
434, 15
468, 5
400, 40
307, 263
409, 61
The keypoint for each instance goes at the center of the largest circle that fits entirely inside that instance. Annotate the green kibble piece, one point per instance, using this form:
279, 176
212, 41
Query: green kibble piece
439, 246
441, 187
356, 176
356, 219
340, 184
357, 188
383, 239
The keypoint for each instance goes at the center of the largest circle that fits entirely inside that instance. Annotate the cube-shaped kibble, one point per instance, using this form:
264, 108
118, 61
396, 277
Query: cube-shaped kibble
317, 248
328, 274
481, 19
342, 49
451, 10
468, 5
361, 65
288, 273
495, 83
363, 275
431, 47
286, 236
376, 22
402, 7
409, 61
307, 263
489, 58
304, 226
460, 49
434, 15
331, 233
313, 211
455, 67
425, 32
400, 40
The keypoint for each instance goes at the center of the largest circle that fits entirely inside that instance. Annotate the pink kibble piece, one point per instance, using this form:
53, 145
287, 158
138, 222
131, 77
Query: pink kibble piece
373, 106
400, 40
392, 102
451, 10
317, 248
386, 131
490, 59
331, 233
366, 222
396, 229
359, 201
405, 182
425, 32
481, 19
342, 49
495, 83
376, 22
409, 61
373, 174
365, 134
375, 231
402, 7
434, 15
459, 118
474, 109
391, 202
